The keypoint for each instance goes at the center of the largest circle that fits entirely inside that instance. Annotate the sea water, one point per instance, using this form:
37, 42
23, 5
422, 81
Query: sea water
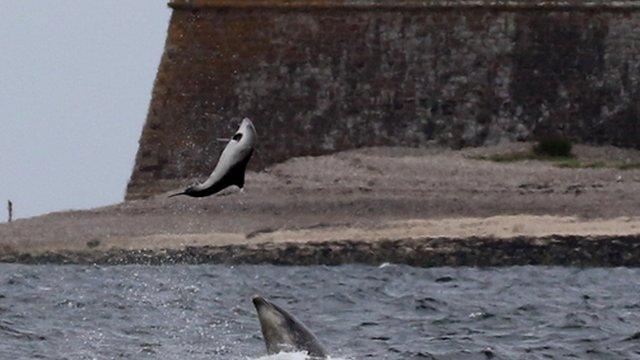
358, 312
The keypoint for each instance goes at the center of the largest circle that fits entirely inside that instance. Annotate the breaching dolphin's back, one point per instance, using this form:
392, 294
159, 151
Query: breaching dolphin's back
282, 332
232, 165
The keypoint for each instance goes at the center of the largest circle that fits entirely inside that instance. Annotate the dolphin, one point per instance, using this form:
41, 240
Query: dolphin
283, 332
231, 166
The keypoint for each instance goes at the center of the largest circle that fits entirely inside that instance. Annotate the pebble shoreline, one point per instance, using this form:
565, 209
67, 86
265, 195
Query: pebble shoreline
600, 251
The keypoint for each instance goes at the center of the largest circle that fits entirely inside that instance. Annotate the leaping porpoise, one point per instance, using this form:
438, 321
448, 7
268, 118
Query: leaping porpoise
231, 166
283, 332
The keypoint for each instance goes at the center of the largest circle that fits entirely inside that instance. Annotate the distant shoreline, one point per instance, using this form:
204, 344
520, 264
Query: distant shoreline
417, 206
581, 251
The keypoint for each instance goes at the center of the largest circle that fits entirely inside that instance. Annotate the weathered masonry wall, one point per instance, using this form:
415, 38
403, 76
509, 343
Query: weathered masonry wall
321, 76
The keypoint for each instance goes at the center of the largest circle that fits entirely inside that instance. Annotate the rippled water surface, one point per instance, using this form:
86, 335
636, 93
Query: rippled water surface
391, 312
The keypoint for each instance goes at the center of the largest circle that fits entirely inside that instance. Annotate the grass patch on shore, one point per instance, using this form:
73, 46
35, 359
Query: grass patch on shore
553, 146
577, 164
567, 162
629, 166
557, 150
508, 157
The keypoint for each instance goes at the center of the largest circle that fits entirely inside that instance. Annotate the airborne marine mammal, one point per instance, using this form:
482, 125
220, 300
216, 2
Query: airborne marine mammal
231, 167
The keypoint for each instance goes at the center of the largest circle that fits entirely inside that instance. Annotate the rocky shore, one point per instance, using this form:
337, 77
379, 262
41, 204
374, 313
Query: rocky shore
424, 207
550, 250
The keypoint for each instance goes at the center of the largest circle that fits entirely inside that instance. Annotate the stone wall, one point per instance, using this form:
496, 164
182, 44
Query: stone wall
322, 76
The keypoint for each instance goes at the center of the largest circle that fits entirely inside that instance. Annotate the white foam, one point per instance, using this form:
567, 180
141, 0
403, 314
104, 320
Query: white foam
285, 356
290, 356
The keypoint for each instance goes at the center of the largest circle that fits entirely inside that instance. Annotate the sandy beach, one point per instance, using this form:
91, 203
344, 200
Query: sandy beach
363, 196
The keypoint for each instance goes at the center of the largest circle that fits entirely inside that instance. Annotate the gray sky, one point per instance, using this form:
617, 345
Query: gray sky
75, 83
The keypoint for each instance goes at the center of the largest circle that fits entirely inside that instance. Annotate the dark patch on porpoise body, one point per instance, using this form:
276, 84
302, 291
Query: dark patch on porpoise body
235, 176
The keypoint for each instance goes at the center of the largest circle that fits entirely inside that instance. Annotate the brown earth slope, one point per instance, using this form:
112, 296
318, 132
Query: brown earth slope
361, 196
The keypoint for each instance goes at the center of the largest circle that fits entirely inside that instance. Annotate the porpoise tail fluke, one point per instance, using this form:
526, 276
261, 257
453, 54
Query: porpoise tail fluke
231, 166
282, 332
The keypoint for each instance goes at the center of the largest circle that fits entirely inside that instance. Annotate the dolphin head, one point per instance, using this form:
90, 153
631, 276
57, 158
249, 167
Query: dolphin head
283, 332
246, 134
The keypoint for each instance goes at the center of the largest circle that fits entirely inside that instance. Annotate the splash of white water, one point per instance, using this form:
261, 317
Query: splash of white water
290, 356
